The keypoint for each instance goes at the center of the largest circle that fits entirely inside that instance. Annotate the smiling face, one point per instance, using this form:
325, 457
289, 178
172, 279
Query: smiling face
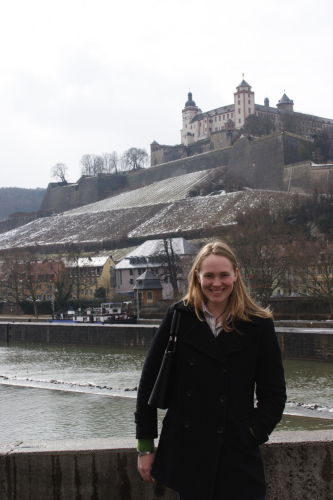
216, 277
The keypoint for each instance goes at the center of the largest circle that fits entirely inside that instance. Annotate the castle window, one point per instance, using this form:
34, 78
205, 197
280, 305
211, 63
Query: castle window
232, 115
228, 115
249, 110
219, 118
238, 102
223, 117
249, 102
239, 120
239, 111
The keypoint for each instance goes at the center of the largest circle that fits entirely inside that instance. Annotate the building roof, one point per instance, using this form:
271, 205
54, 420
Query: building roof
285, 100
147, 281
139, 257
229, 108
189, 101
243, 83
96, 261
269, 109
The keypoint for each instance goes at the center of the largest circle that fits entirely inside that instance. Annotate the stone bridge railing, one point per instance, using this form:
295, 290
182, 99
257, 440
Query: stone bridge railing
299, 466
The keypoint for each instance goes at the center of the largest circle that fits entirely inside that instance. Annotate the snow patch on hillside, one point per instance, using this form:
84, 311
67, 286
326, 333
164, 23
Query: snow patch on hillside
164, 191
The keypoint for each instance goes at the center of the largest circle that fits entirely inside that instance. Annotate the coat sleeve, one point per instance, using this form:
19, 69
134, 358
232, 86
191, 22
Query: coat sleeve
145, 415
270, 384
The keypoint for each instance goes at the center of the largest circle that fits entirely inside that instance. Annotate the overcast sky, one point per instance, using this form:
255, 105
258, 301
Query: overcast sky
96, 76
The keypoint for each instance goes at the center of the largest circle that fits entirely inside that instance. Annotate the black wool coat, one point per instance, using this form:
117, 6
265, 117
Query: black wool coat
208, 448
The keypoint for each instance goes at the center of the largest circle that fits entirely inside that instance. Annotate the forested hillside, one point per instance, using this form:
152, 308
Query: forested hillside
13, 199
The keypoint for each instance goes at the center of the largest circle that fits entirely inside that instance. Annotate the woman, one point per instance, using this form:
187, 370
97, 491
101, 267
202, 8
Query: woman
226, 351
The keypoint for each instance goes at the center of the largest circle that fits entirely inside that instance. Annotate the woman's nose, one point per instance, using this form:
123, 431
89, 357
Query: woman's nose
216, 281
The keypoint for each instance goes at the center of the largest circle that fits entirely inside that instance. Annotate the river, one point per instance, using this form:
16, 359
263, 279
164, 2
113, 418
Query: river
75, 392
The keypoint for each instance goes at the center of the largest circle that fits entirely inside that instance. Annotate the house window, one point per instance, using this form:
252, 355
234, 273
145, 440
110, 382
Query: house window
131, 272
239, 111
131, 281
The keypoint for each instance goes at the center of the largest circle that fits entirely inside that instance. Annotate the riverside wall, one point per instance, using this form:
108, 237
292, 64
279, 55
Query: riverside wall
296, 343
298, 465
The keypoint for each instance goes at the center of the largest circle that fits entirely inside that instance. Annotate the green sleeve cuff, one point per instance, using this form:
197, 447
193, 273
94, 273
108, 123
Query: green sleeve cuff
146, 444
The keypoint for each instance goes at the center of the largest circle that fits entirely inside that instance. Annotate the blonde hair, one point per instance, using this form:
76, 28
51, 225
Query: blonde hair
240, 305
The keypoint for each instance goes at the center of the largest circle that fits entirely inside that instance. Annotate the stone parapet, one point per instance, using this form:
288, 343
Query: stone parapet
298, 466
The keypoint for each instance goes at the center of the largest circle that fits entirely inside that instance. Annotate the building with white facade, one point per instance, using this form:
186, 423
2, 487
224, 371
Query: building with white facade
151, 255
198, 125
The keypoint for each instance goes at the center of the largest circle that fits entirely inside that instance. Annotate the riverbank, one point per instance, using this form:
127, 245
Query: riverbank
298, 465
296, 343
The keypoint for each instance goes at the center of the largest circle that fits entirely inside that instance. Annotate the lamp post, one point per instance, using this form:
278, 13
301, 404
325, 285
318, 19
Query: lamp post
137, 304
52, 300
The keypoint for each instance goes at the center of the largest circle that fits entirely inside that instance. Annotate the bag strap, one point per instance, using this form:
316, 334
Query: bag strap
175, 322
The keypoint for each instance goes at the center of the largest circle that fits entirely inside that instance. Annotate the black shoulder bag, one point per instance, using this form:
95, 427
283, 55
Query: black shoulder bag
160, 394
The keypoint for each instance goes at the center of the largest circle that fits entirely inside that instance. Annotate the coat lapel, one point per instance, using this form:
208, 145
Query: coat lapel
198, 334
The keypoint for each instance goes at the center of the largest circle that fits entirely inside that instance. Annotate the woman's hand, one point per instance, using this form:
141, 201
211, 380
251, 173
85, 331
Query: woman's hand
144, 466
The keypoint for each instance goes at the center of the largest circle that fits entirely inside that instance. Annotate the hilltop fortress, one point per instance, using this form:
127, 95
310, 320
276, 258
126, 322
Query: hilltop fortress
281, 160
215, 142
220, 127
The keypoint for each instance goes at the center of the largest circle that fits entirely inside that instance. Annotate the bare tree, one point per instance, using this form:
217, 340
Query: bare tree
22, 278
314, 270
63, 286
261, 240
76, 274
135, 158
59, 171
170, 264
110, 162
11, 280
92, 164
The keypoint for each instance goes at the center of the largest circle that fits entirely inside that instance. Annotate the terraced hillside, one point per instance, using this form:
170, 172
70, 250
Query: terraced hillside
98, 227
175, 188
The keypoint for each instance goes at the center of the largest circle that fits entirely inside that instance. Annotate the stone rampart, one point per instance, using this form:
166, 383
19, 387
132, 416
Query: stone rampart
60, 197
196, 163
260, 163
257, 163
298, 466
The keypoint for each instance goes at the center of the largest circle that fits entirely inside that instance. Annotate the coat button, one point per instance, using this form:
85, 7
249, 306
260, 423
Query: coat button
220, 430
221, 399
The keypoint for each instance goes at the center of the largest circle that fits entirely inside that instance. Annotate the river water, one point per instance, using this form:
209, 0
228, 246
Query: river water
76, 392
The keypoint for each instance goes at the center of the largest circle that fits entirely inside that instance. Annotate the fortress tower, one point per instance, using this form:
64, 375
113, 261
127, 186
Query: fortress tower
188, 113
285, 104
244, 103
217, 125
